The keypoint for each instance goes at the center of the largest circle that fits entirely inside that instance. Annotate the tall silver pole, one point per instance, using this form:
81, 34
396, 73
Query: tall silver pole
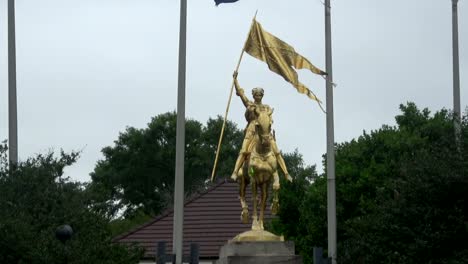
331, 190
178, 232
12, 103
456, 70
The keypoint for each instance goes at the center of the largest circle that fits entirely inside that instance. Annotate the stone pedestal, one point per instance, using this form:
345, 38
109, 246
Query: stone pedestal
258, 252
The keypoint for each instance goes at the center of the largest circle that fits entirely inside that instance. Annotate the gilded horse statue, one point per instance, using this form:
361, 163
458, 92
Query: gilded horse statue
259, 158
260, 170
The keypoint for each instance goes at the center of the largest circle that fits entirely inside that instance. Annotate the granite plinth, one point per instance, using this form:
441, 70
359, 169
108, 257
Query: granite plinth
258, 252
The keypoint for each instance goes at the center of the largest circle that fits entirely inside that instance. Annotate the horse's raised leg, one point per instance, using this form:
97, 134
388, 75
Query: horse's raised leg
245, 207
276, 182
275, 203
254, 201
264, 186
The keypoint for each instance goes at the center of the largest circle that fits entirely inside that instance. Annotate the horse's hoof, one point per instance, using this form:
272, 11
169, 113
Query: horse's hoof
256, 225
274, 208
234, 177
276, 186
245, 217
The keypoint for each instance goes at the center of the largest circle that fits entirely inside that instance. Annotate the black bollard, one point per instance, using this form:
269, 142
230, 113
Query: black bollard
318, 256
161, 254
194, 253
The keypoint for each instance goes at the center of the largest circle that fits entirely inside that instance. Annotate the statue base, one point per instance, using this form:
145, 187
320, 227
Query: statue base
256, 235
258, 252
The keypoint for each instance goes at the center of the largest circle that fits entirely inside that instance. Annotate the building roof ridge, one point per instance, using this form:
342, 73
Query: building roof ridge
170, 210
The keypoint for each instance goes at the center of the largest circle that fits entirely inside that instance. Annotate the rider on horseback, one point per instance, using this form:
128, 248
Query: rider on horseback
251, 117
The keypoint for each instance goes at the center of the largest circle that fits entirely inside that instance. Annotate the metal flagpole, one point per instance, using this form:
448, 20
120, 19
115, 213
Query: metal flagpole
12, 101
178, 228
456, 71
331, 190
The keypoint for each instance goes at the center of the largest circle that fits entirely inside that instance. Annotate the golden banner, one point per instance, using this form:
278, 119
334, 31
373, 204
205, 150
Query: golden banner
280, 57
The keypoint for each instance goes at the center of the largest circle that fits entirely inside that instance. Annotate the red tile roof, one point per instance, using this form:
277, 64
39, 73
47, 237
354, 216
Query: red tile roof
210, 220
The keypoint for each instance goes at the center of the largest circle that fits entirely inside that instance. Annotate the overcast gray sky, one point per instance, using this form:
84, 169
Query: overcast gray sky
86, 69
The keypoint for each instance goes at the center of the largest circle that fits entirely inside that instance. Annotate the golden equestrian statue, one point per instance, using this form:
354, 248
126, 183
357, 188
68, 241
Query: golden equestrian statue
259, 157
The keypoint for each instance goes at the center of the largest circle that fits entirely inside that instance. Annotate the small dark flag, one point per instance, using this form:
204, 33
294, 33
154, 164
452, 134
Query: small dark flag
224, 1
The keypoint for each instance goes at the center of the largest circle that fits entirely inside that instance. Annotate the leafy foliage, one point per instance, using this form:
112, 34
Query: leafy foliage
401, 195
35, 200
137, 173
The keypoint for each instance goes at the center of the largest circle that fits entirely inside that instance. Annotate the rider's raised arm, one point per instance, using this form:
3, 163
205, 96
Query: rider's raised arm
240, 92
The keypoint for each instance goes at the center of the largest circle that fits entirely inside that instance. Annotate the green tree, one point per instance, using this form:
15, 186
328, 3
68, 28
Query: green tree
419, 211
400, 195
231, 144
35, 200
137, 173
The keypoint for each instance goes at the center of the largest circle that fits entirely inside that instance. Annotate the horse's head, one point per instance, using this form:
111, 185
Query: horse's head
263, 126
